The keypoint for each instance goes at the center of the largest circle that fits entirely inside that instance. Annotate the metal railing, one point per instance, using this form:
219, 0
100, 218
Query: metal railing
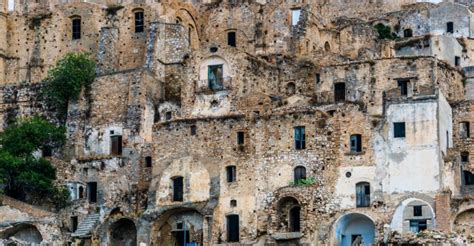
213, 85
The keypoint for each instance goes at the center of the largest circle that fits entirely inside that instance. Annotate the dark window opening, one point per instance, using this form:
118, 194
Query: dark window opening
179, 225
356, 239
464, 157
231, 172
92, 191
399, 129
356, 143
300, 138
418, 225
74, 223
116, 145
468, 178
240, 138
148, 161
318, 78
465, 129
178, 189
231, 39
81, 192
47, 151
339, 92
193, 130
457, 61
215, 76
299, 174
76, 29
363, 194
181, 238
417, 211
190, 32
139, 22
168, 115
156, 115
295, 220
408, 33
403, 86
291, 88
232, 228
450, 27
233, 203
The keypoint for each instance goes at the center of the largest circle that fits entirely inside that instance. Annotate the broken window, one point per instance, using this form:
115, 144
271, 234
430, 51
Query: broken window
193, 130
418, 225
74, 223
240, 138
299, 174
464, 129
178, 189
407, 33
300, 138
139, 21
92, 191
417, 211
339, 92
231, 172
450, 27
148, 161
232, 228
362, 194
399, 129
295, 16
76, 28
468, 178
215, 77
356, 143
231, 39
457, 61
295, 220
464, 157
403, 86
116, 142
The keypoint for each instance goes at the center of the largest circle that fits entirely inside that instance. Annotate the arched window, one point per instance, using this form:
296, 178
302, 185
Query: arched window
407, 33
327, 46
76, 28
177, 189
178, 20
299, 174
139, 21
294, 219
363, 194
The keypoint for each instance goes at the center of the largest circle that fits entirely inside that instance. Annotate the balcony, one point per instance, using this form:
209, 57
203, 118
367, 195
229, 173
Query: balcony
209, 86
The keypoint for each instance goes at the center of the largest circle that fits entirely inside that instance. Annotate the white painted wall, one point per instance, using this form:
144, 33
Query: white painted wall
346, 187
98, 140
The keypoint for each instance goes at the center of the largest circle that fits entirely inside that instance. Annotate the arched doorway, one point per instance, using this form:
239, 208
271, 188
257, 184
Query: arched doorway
355, 228
289, 215
23, 233
464, 222
123, 232
179, 226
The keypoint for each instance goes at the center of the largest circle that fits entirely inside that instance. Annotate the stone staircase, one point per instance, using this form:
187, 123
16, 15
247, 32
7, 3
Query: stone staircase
86, 226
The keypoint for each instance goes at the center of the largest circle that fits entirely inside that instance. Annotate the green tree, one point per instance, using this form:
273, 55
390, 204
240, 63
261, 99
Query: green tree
65, 81
22, 175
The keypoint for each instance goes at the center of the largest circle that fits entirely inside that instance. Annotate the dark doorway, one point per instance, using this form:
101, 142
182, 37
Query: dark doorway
178, 189
180, 238
92, 191
339, 92
116, 145
232, 228
295, 224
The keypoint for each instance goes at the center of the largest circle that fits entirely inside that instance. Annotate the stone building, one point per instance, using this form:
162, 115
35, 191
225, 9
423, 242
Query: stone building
232, 122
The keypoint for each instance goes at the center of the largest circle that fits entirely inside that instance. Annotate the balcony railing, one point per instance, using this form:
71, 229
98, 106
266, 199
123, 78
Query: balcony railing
213, 85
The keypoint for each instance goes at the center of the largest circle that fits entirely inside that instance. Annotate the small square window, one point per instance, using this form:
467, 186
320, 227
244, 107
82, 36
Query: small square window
168, 115
450, 27
457, 61
464, 157
399, 129
403, 85
193, 130
417, 210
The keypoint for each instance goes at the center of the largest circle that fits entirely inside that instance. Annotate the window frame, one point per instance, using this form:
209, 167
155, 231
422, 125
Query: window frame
299, 173
399, 129
357, 146
178, 195
139, 20
76, 27
231, 173
363, 192
299, 137
232, 39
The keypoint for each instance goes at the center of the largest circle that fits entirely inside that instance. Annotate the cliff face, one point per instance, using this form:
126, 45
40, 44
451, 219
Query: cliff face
251, 122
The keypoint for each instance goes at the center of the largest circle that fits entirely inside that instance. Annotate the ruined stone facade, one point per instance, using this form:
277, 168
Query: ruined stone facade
233, 122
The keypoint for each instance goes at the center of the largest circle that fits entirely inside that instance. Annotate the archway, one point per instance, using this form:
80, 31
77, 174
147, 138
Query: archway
464, 222
178, 226
23, 233
123, 232
355, 227
289, 215
413, 215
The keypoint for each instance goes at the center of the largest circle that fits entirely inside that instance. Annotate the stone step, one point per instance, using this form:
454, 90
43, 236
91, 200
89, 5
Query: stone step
86, 226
